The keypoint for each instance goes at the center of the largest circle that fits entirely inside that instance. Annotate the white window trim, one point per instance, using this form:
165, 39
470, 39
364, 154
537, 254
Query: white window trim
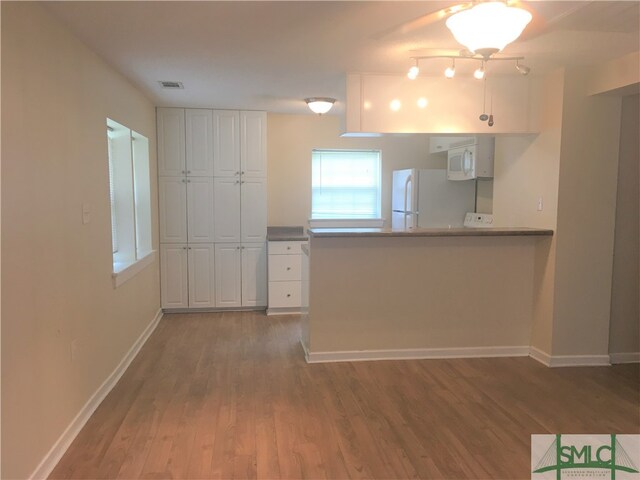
126, 271
346, 223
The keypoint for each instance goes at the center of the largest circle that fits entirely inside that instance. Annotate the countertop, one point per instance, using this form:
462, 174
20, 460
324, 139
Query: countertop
427, 232
286, 234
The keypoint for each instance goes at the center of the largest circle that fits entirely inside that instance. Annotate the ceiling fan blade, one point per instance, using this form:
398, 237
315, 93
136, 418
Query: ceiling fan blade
539, 25
421, 22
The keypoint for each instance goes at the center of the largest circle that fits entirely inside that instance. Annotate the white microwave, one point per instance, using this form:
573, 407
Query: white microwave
461, 163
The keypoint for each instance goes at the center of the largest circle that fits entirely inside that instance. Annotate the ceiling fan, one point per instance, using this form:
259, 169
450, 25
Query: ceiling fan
523, 13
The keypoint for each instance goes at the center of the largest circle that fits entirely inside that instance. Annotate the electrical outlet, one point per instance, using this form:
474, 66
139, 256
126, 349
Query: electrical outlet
540, 205
86, 213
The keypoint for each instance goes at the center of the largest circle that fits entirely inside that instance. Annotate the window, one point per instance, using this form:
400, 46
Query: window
345, 185
130, 197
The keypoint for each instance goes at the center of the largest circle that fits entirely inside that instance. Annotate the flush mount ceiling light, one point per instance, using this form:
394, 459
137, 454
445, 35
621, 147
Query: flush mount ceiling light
488, 27
320, 105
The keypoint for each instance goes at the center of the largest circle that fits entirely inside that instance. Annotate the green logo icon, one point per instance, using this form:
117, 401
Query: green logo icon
595, 455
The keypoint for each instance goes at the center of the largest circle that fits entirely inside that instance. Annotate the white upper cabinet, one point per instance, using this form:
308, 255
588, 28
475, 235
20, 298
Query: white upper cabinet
254, 274
254, 209
253, 144
200, 214
199, 142
228, 275
173, 276
201, 276
226, 143
227, 209
173, 209
171, 141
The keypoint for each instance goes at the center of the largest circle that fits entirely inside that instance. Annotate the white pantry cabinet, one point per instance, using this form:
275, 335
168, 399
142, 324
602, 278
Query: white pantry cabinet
174, 287
200, 211
241, 275
173, 209
253, 144
199, 142
171, 141
253, 212
213, 208
201, 275
226, 141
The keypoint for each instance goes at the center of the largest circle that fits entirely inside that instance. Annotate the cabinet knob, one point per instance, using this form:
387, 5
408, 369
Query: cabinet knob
237, 173
288, 248
184, 181
237, 248
242, 173
184, 248
188, 171
183, 171
288, 295
237, 182
188, 181
242, 181
288, 268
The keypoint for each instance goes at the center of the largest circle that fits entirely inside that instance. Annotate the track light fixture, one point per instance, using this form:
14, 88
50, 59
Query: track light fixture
479, 73
451, 71
523, 69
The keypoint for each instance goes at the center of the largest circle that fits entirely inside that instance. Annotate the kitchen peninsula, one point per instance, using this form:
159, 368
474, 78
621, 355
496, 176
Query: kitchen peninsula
422, 293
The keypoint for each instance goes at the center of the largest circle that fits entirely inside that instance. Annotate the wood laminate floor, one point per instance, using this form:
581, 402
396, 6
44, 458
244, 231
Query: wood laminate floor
229, 395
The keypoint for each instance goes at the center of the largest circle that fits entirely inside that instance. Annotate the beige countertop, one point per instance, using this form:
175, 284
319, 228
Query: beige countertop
427, 232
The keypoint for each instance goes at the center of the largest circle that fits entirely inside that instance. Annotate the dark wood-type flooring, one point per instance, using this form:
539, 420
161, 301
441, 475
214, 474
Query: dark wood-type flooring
229, 395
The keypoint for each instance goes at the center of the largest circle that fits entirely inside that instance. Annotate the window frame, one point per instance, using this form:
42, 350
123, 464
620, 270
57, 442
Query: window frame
130, 202
353, 222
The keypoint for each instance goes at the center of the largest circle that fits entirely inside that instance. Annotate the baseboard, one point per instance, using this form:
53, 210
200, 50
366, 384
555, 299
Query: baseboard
284, 311
51, 459
569, 360
625, 357
214, 309
415, 354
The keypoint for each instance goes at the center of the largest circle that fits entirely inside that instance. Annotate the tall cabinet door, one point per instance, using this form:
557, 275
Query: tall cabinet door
201, 276
200, 209
199, 142
253, 216
171, 141
227, 209
173, 209
253, 144
226, 143
228, 275
173, 276
254, 274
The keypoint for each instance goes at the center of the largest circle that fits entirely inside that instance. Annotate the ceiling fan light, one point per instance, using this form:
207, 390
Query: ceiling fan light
450, 72
488, 27
320, 105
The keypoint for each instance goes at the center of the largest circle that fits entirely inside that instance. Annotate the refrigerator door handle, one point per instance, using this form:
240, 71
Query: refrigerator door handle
406, 191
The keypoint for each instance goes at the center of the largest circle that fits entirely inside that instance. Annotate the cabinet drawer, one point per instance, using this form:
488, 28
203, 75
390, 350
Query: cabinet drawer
285, 248
284, 294
284, 267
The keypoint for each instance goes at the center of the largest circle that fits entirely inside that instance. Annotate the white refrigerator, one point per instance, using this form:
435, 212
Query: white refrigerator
424, 198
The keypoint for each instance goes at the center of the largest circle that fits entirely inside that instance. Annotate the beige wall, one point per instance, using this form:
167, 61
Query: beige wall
56, 272
586, 218
527, 168
420, 292
290, 141
624, 333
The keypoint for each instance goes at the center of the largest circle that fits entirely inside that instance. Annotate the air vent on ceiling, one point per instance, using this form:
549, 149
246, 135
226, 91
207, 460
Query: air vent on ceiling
168, 84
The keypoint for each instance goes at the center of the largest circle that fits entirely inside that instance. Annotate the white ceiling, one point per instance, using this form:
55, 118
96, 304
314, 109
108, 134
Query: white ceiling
271, 55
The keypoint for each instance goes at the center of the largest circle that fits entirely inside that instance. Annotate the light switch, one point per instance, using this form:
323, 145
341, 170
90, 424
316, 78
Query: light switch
539, 204
86, 213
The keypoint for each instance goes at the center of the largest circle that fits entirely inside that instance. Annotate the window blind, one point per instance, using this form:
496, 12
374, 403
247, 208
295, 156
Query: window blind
345, 184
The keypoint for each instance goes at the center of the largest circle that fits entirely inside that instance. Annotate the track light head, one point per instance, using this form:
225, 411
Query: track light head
479, 73
413, 72
523, 69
